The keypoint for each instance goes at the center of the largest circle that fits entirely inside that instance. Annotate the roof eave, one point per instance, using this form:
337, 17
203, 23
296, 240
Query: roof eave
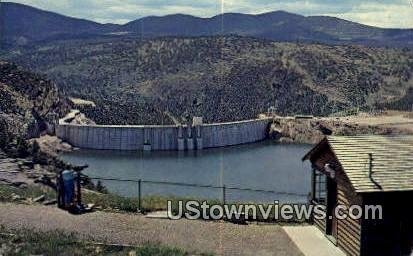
315, 149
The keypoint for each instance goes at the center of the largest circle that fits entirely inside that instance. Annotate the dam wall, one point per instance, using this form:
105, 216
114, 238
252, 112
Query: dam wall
172, 137
234, 133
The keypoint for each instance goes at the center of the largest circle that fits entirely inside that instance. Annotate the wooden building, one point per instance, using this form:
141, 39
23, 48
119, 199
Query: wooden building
365, 170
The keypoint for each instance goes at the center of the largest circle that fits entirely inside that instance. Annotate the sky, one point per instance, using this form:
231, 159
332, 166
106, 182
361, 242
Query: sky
381, 13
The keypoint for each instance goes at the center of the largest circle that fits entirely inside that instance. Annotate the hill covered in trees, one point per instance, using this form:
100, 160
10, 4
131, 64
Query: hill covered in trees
220, 78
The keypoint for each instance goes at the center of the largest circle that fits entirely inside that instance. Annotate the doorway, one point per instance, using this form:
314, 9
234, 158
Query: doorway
331, 227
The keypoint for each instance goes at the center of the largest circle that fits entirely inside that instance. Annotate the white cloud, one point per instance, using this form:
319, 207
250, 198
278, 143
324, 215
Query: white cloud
383, 15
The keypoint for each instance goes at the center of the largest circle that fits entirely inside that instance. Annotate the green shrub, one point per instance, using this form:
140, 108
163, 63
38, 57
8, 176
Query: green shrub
4, 136
22, 147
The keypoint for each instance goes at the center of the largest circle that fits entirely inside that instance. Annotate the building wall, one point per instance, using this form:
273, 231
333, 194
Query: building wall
349, 232
163, 137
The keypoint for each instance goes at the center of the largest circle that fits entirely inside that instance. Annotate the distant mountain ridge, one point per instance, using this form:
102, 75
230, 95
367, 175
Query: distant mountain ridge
22, 24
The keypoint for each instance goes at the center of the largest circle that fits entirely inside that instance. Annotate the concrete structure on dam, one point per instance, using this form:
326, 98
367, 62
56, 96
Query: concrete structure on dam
172, 137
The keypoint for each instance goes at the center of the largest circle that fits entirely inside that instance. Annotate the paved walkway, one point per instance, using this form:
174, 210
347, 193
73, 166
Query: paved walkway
220, 238
312, 242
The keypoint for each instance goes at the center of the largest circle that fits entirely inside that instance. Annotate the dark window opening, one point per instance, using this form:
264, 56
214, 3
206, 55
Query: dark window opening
320, 187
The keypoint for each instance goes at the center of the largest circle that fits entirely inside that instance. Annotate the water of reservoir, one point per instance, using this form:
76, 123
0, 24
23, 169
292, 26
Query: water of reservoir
261, 166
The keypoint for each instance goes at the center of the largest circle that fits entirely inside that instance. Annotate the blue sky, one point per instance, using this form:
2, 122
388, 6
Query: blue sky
382, 13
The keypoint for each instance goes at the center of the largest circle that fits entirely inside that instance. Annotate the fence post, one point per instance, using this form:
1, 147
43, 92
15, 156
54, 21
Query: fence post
223, 194
139, 195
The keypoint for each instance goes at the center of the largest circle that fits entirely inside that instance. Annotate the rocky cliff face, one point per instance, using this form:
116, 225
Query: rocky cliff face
29, 104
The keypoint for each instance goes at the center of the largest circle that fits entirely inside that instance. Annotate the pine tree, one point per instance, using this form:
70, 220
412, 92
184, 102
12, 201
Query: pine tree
4, 136
22, 148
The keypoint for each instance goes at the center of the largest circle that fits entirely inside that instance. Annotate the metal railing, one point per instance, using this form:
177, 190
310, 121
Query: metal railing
224, 190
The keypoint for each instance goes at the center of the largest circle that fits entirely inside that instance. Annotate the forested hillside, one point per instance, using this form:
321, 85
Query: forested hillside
220, 78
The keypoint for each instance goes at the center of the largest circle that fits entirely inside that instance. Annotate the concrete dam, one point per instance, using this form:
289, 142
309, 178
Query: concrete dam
166, 137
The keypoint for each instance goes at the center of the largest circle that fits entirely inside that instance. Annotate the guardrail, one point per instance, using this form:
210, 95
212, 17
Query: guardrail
224, 190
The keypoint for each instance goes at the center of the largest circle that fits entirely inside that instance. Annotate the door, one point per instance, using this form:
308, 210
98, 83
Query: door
331, 205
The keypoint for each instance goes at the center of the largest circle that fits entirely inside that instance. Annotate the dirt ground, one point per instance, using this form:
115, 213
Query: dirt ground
402, 121
219, 238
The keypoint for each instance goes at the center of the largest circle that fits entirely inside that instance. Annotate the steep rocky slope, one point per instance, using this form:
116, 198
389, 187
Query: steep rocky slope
28, 103
220, 78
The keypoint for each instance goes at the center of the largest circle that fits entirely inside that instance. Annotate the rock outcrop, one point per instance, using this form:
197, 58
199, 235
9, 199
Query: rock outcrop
29, 104
312, 131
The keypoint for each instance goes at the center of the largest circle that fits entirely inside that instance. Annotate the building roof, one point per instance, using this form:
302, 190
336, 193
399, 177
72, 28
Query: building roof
391, 165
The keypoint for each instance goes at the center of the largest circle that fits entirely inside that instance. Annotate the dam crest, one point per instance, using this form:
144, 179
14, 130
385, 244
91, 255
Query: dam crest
196, 136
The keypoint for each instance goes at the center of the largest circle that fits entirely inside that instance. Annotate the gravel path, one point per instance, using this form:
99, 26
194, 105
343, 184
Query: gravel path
194, 236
